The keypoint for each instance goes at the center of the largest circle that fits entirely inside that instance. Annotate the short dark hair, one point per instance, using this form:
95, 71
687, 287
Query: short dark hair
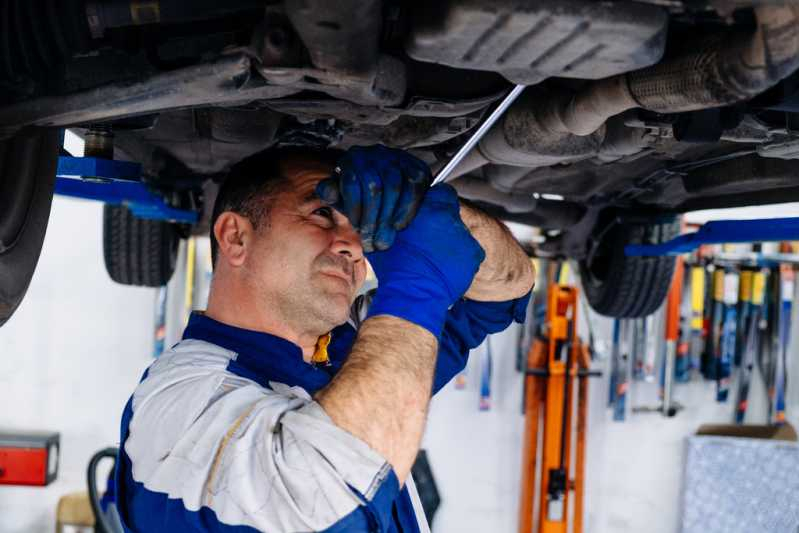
251, 185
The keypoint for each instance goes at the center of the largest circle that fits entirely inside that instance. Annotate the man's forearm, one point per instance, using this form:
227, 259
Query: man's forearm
507, 272
382, 392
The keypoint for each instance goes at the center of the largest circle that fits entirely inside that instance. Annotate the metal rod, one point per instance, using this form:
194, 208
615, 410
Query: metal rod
444, 173
668, 378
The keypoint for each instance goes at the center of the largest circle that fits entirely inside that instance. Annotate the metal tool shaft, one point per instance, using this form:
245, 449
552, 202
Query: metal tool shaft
444, 173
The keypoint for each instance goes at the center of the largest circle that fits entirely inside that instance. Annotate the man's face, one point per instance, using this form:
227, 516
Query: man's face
307, 257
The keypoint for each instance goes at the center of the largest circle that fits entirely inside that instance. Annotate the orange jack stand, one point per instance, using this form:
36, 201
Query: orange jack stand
554, 365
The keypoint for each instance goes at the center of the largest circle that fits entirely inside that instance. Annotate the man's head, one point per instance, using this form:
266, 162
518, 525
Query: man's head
275, 244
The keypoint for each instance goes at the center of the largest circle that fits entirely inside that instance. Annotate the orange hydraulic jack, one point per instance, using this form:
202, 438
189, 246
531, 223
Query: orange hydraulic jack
553, 366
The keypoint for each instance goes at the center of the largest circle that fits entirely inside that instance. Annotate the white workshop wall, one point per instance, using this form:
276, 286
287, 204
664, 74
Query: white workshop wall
69, 358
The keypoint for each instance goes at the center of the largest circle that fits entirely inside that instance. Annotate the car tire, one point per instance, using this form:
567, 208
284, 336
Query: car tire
138, 251
27, 176
628, 287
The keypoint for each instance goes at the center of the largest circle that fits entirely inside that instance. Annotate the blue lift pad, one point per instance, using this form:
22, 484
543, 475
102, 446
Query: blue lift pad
115, 182
721, 232
78, 167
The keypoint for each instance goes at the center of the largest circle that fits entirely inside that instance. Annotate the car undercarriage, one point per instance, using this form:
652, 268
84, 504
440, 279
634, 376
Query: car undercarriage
634, 112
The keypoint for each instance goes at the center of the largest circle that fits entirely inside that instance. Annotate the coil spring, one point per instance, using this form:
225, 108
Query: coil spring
38, 35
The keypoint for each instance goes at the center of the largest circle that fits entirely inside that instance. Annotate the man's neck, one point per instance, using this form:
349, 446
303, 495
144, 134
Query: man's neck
243, 312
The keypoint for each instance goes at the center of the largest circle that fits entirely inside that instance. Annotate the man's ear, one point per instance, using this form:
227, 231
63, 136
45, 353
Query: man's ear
234, 235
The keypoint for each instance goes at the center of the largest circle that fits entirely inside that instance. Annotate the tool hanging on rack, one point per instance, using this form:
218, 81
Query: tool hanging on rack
708, 363
728, 335
682, 364
766, 332
751, 342
654, 348
744, 308
188, 287
159, 335
714, 337
485, 376
554, 363
622, 370
615, 351
672, 338
697, 316
639, 348
784, 326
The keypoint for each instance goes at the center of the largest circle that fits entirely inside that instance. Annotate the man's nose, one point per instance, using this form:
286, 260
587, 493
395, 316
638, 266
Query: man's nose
347, 241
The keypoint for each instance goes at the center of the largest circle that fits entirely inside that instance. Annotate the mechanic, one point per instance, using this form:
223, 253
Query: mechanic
290, 405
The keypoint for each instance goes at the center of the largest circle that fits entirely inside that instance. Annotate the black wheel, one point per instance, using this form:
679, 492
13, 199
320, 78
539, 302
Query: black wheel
138, 251
628, 287
27, 176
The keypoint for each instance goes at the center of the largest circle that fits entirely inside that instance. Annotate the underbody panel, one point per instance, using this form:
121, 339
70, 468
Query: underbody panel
630, 107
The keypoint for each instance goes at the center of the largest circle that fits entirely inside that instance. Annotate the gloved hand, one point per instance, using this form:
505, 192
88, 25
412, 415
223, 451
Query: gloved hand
430, 265
379, 190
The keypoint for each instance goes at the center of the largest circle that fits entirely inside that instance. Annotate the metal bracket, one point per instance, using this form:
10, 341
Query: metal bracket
720, 232
115, 182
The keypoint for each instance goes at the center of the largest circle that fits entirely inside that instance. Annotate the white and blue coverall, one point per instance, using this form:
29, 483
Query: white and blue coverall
222, 434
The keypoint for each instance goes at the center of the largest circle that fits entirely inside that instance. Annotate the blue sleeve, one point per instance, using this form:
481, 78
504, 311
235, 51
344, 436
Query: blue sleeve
467, 325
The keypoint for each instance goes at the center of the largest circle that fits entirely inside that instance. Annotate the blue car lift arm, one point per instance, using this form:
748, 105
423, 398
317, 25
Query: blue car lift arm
115, 182
720, 232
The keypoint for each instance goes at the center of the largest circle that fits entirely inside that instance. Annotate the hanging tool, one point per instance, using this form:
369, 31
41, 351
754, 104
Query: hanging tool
653, 349
159, 336
682, 368
614, 361
622, 370
639, 348
784, 320
697, 315
554, 363
672, 336
766, 328
728, 335
716, 322
485, 376
188, 288
752, 341
744, 308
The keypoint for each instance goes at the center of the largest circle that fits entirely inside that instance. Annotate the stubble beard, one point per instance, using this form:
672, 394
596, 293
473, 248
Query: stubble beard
313, 304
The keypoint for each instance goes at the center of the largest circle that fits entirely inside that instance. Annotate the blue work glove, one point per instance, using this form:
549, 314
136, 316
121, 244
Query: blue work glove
430, 265
379, 190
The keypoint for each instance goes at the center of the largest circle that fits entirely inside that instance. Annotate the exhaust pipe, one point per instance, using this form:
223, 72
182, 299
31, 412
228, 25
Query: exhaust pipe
722, 73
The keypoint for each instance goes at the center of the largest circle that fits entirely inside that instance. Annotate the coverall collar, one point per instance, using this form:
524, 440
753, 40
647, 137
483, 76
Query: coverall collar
264, 357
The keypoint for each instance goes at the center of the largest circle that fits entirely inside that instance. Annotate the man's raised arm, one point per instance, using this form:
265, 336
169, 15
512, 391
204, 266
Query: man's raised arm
382, 391
507, 273
425, 262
